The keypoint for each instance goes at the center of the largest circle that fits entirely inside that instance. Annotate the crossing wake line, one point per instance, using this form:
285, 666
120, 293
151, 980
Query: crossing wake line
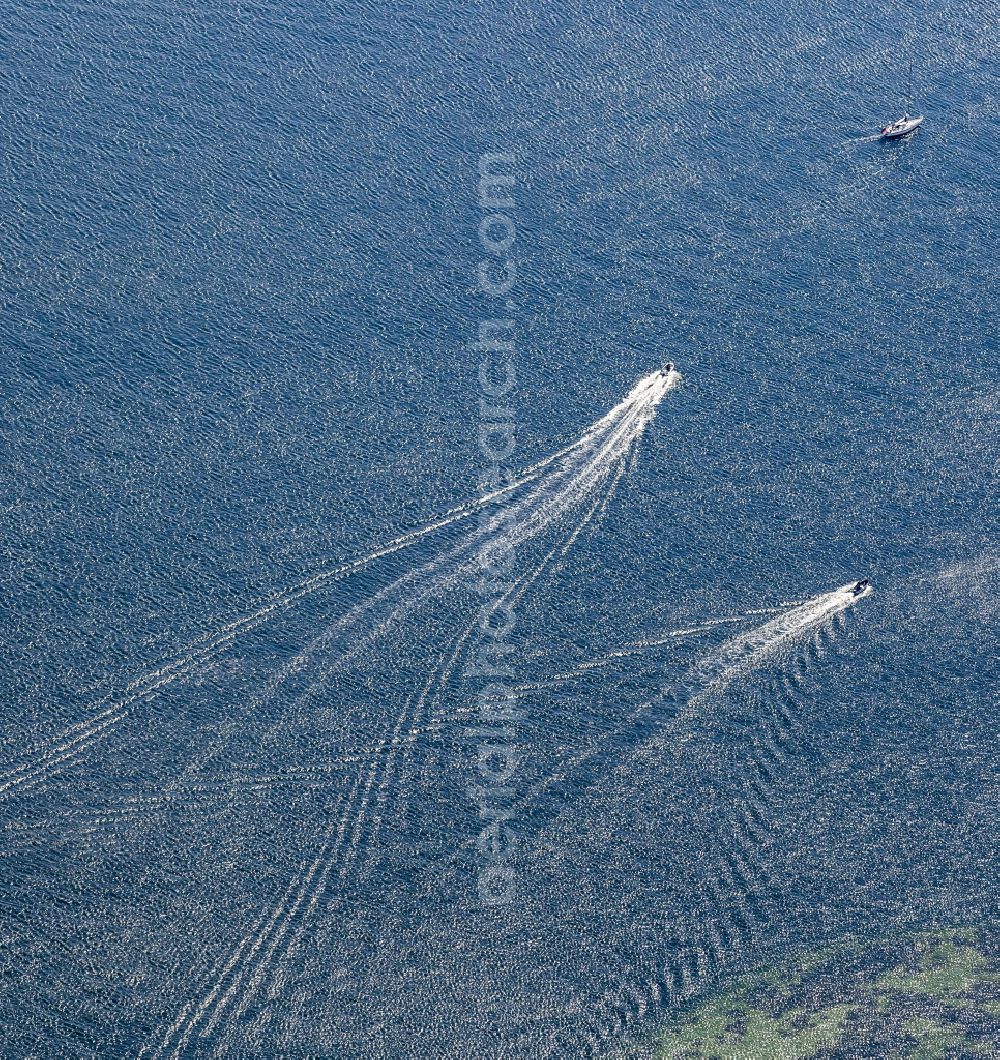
580, 480
534, 498
481, 552
667, 717
729, 903
367, 805
559, 795
729, 897
427, 717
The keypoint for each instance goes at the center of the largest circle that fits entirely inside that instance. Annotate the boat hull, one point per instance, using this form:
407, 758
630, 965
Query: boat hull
901, 129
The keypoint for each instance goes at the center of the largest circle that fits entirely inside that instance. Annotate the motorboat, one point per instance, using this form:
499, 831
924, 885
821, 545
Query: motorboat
859, 587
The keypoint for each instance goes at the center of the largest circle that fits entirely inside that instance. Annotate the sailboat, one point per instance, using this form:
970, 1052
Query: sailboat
907, 123
901, 127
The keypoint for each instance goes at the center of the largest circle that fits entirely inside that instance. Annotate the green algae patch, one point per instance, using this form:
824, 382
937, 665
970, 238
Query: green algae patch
944, 970
729, 1029
713, 1026
931, 1041
800, 1033
929, 995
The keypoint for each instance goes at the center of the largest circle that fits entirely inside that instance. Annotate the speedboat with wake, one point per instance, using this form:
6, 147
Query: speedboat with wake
860, 587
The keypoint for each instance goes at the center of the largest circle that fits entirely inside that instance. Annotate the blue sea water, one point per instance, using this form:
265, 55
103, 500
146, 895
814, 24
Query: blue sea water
240, 307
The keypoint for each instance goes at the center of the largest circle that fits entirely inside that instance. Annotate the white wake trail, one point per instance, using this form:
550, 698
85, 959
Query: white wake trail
639, 646
750, 649
320, 871
568, 495
851, 141
637, 407
576, 472
710, 942
564, 490
737, 656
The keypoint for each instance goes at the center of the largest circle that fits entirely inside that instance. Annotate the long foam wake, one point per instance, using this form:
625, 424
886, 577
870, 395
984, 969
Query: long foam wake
537, 496
610, 658
578, 479
751, 648
366, 804
729, 910
564, 490
681, 702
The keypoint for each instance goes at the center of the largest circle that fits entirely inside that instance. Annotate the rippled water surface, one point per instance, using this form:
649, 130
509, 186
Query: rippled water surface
242, 514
